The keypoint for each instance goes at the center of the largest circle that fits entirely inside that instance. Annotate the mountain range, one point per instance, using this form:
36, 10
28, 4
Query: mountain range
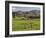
27, 13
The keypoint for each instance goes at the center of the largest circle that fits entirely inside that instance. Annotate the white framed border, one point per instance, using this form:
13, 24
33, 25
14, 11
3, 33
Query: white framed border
25, 32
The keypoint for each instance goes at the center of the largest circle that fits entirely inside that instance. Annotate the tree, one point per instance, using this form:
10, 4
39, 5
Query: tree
13, 14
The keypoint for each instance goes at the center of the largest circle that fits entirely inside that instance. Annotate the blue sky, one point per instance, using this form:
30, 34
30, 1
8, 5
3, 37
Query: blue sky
24, 8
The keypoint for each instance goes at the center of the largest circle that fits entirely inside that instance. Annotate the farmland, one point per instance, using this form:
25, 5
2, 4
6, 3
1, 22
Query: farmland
25, 20
24, 25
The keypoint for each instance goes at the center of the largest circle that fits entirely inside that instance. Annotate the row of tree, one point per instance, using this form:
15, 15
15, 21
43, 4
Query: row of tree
27, 14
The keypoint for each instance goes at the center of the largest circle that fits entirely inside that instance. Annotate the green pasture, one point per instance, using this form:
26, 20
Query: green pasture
24, 25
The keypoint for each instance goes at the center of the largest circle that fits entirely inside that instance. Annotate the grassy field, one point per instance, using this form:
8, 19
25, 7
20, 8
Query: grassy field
24, 25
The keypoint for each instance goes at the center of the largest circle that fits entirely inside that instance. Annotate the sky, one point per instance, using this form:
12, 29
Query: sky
24, 8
